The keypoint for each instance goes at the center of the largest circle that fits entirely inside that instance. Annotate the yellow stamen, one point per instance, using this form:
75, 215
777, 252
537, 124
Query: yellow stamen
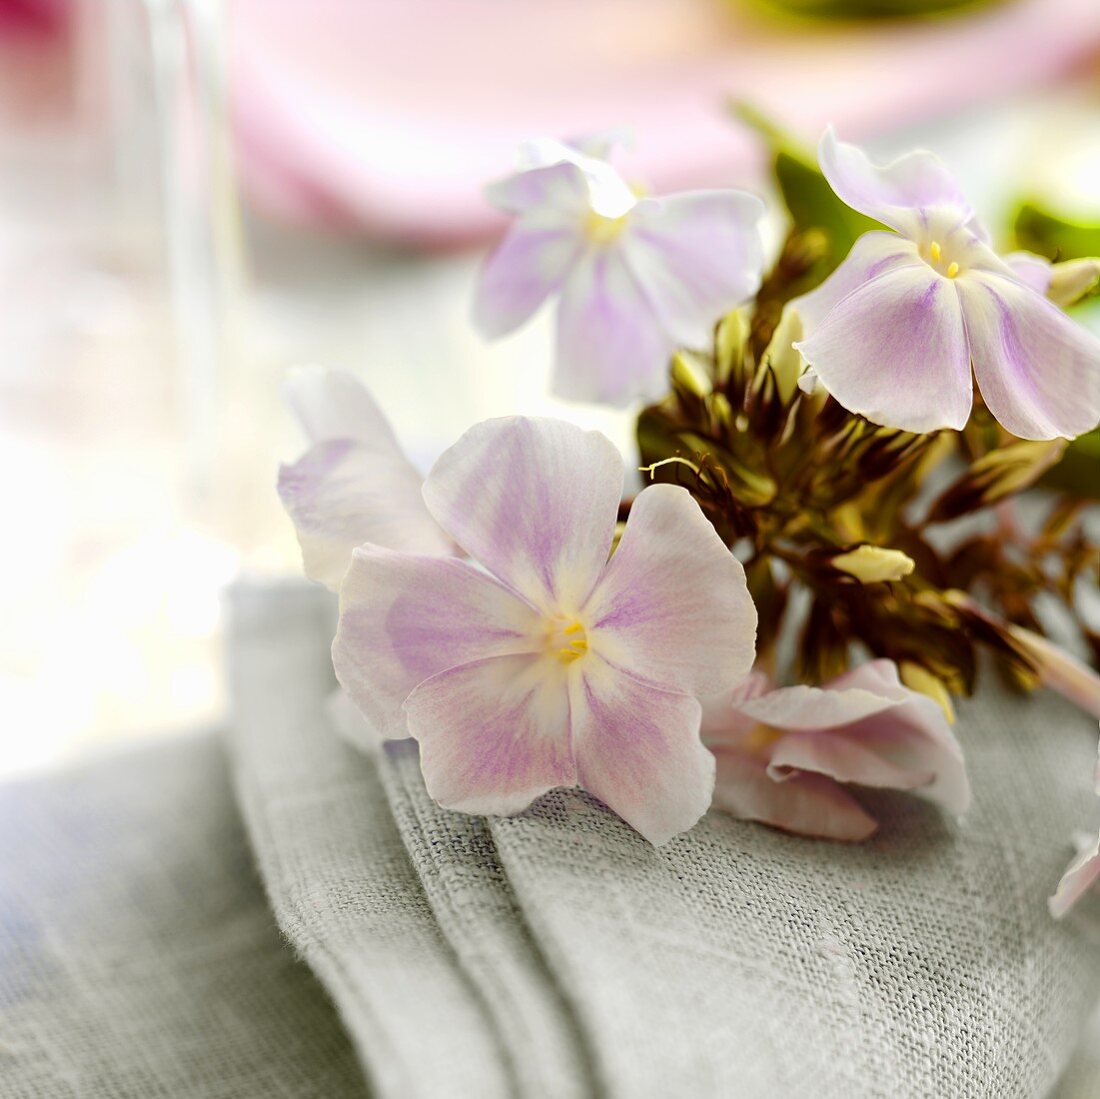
934, 251
577, 641
952, 270
603, 230
575, 628
569, 655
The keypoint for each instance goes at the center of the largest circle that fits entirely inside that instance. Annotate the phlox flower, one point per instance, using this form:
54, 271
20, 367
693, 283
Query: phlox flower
539, 661
900, 330
354, 484
786, 754
637, 276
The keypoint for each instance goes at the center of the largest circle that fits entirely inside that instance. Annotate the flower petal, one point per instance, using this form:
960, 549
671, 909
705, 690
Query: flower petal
896, 193
1038, 371
493, 734
560, 189
611, 345
405, 618
1079, 878
638, 750
535, 501
842, 757
342, 493
801, 708
528, 265
333, 404
895, 351
809, 805
697, 255
672, 606
872, 255
1031, 270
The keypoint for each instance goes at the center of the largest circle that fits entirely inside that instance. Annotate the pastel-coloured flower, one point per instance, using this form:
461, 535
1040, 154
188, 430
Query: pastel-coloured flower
637, 276
546, 663
785, 755
1083, 872
901, 329
354, 484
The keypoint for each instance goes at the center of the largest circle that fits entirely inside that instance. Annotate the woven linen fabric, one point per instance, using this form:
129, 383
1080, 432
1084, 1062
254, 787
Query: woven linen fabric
477, 911
138, 956
336, 870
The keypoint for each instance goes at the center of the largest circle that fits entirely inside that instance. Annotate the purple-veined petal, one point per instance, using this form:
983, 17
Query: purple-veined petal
806, 804
1038, 371
895, 351
672, 606
898, 194
332, 404
611, 345
494, 734
342, 493
535, 501
638, 750
697, 255
1031, 270
559, 190
528, 265
1079, 878
405, 618
874, 254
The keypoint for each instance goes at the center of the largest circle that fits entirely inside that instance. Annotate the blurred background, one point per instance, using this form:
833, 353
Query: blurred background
195, 196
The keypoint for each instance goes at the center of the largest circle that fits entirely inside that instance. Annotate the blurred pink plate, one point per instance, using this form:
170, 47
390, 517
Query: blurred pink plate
390, 115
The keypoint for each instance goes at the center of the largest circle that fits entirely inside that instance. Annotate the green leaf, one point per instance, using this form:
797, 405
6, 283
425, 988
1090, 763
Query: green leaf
1049, 235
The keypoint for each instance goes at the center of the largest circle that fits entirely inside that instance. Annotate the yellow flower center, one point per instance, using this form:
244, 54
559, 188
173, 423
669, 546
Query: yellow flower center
760, 738
936, 257
566, 639
603, 230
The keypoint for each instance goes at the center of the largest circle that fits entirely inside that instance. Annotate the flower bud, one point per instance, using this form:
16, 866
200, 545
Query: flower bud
1073, 280
874, 564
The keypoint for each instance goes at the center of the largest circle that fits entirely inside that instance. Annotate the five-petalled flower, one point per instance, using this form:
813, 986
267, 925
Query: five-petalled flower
638, 276
541, 662
898, 332
786, 754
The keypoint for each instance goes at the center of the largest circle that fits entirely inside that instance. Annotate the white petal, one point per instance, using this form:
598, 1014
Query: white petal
332, 404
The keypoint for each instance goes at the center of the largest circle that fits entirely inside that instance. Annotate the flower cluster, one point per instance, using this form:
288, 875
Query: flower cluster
816, 436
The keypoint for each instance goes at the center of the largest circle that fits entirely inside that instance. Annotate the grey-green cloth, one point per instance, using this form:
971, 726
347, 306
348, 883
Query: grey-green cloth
550, 954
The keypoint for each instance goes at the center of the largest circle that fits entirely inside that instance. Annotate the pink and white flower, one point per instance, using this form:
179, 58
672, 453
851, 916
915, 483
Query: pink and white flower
637, 277
354, 484
548, 664
900, 330
785, 755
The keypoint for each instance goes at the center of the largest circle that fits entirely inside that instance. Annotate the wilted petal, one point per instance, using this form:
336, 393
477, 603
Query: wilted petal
611, 345
673, 606
800, 708
332, 404
1079, 878
493, 734
896, 193
874, 254
535, 501
1038, 371
697, 255
808, 805
895, 351
529, 264
638, 750
342, 493
405, 618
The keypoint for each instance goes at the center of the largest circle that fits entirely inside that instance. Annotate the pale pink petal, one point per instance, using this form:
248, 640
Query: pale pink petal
332, 404
528, 265
801, 708
558, 189
493, 734
844, 757
895, 351
1032, 270
638, 750
1080, 876
697, 255
872, 255
533, 500
405, 618
808, 805
611, 344
720, 720
896, 193
673, 606
342, 493
1038, 371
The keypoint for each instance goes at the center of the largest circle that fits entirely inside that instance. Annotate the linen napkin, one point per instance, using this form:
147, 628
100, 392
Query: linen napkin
138, 956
